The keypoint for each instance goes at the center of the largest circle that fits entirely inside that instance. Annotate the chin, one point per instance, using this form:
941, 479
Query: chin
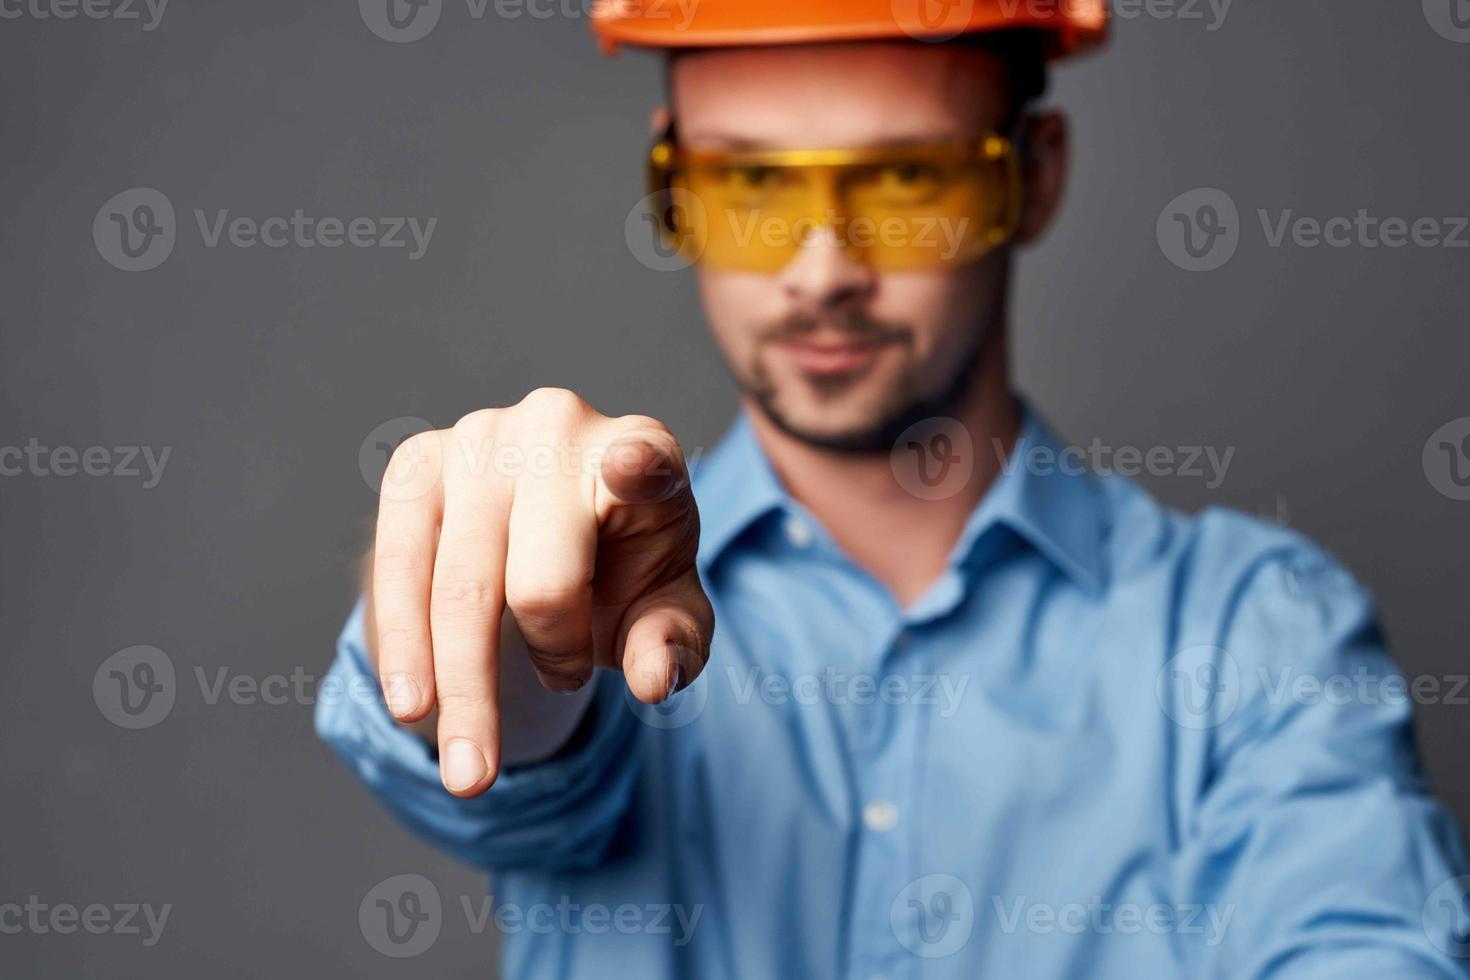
853, 428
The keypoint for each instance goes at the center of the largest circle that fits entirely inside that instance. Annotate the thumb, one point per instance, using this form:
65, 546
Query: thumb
644, 469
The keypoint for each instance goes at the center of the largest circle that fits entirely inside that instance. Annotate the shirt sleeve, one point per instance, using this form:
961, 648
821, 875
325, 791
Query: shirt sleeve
1315, 831
554, 815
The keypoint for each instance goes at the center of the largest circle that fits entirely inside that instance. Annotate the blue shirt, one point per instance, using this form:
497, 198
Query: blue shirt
1111, 741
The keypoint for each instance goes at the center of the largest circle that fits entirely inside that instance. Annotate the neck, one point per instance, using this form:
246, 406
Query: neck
859, 500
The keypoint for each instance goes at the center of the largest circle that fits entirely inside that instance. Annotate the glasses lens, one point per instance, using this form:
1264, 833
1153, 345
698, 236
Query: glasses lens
894, 214
917, 214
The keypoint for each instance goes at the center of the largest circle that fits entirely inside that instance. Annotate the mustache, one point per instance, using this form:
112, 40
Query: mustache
855, 325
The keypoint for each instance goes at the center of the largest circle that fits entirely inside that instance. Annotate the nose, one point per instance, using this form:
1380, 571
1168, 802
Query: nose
824, 276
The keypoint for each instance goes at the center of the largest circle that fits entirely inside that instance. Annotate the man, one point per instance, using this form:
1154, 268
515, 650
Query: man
961, 717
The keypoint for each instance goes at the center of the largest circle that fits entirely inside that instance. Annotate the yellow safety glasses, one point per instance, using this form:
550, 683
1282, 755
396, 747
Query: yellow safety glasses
905, 207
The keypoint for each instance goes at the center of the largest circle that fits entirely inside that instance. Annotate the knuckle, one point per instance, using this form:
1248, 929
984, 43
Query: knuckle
552, 398
456, 700
544, 599
398, 561
560, 664
477, 425
553, 405
462, 593
551, 410
399, 635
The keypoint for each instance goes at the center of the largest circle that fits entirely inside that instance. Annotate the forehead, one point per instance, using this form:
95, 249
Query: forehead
836, 95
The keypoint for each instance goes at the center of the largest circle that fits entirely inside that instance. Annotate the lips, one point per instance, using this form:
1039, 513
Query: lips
828, 356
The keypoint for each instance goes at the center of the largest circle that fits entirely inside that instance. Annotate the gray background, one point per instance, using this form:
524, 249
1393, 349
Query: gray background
1327, 370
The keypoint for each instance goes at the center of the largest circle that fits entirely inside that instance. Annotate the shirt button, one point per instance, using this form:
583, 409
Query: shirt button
880, 816
798, 533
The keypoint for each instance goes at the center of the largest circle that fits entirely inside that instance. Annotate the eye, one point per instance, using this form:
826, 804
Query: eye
753, 177
909, 174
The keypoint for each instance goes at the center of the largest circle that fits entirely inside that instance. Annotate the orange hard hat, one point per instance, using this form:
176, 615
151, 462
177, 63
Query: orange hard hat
1071, 26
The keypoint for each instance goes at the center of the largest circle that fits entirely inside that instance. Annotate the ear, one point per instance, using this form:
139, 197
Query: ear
1046, 156
658, 120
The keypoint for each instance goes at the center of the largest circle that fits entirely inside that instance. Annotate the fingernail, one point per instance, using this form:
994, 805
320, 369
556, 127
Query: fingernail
402, 694
674, 676
564, 683
464, 764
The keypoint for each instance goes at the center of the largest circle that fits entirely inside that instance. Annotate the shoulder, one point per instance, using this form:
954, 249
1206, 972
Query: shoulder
1228, 574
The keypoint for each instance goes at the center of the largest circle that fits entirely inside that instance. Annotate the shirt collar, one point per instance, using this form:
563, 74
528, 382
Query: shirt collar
1045, 496
735, 486
1041, 495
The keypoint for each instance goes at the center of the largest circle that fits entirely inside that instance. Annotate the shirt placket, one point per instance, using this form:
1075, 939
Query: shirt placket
886, 746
